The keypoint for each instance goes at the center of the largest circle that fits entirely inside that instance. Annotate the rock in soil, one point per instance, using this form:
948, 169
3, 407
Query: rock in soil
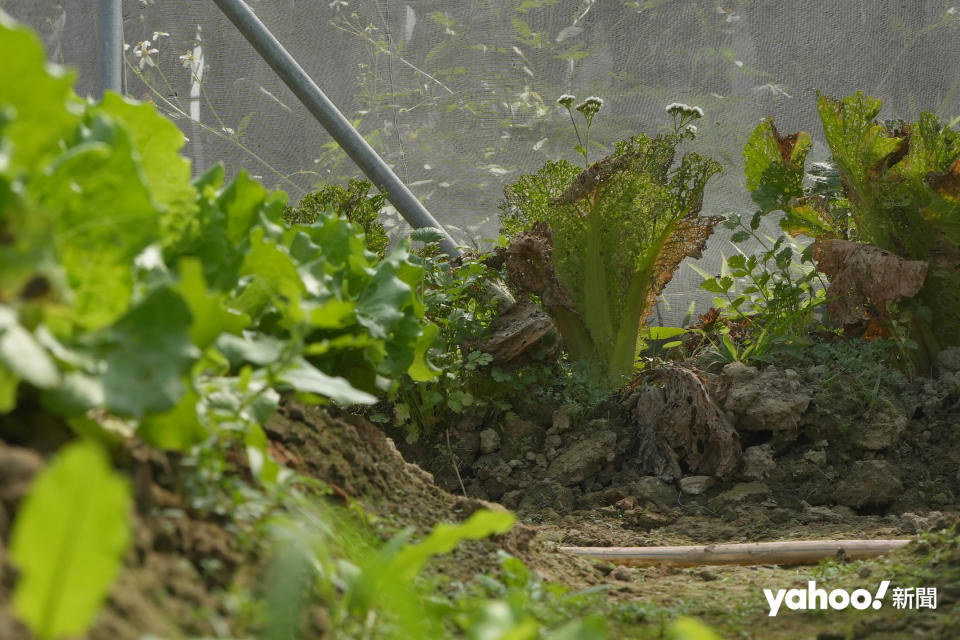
949, 359
696, 485
869, 484
489, 440
758, 462
774, 400
547, 493
881, 428
583, 458
654, 490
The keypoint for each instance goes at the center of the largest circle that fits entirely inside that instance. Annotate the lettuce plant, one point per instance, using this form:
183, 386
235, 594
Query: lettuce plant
900, 192
609, 238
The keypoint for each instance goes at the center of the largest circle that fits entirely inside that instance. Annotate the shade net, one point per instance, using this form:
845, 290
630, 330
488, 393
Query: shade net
459, 96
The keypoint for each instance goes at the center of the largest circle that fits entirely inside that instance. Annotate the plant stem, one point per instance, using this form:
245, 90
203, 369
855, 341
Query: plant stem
576, 130
453, 460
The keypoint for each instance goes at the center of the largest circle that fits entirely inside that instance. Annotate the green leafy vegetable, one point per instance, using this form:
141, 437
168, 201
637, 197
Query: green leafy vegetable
352, 202
68, 542
896, 188
181, 306
614, 234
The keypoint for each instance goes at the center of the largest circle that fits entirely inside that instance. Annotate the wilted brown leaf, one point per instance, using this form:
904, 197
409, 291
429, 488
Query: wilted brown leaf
947, 184
785, 144
530, 268
522, 326
688, 240
863, 278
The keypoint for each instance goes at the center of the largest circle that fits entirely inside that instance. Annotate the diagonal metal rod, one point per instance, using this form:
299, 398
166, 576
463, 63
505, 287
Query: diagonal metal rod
332, 120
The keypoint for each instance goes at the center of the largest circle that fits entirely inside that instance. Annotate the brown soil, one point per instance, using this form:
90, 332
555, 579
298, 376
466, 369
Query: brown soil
185, 560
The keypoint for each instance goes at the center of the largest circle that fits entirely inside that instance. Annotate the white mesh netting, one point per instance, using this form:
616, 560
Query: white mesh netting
458, 96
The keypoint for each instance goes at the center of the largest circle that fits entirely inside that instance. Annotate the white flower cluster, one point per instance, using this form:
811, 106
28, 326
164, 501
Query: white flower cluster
684, 110
590, 107
566, 100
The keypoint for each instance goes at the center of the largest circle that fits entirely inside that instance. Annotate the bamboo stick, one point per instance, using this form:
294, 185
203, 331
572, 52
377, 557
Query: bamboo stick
782, 553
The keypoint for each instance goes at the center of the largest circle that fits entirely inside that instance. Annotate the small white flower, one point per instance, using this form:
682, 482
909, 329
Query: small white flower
566, 100
336, 5
187, 59
677, 107
126, 47
696, 110
739, 63
692, 128
228, 130
160, 34
144, 50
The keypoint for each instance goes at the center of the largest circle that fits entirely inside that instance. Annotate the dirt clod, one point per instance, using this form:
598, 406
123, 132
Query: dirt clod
869, 484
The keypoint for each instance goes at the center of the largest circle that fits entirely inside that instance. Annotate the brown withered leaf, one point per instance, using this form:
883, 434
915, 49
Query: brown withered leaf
688, 240
530, 267
785, 144
522, 326
681, 428
946, 184
588, 179
863, 278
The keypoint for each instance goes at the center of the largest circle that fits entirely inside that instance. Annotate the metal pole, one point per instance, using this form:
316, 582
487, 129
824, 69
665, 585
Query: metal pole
111, 46
332, 120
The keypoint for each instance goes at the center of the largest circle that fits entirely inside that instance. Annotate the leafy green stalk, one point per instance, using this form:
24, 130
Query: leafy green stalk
618, 231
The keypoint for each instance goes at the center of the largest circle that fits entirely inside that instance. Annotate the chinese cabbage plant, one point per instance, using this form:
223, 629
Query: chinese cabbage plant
603, 242
899, 190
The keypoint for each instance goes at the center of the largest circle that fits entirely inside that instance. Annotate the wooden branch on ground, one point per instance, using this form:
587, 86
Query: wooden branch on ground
782, 553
